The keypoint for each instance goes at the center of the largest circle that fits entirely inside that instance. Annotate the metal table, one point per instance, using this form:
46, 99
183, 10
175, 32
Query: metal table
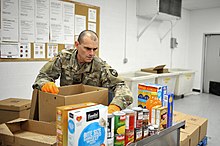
166, 137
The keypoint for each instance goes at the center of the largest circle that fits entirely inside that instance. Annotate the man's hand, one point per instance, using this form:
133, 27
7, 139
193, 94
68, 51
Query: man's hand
113, 108
50, 87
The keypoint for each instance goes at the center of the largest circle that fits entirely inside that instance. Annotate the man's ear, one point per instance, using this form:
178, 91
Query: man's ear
76, 44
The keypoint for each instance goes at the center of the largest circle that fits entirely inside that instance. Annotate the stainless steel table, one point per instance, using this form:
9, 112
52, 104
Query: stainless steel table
167, 137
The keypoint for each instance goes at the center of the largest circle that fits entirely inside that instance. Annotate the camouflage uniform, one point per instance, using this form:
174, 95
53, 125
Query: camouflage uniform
97, 73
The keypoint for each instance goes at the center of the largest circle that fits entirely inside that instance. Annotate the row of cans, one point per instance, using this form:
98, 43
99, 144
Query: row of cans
127, 126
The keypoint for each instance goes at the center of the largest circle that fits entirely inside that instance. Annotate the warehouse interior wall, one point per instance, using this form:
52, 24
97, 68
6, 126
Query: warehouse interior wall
18, 77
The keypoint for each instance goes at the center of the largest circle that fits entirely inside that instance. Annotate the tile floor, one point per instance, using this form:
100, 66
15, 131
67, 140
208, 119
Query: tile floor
203, 105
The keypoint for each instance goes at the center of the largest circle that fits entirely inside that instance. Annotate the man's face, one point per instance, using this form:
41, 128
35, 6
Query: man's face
86, 50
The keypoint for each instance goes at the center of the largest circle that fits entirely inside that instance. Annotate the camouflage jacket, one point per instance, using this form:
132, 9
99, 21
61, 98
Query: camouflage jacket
96, 73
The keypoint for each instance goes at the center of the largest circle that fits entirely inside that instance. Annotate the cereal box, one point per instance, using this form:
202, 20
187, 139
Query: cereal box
88, 126
168, 102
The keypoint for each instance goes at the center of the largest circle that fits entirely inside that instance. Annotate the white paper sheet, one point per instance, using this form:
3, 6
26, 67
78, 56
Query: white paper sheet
25, 50
26, 21
9, 50
80, 24
42, 20
68, 22
52, 50
92, 26
92, 15
39, 50
9, 24
56, 22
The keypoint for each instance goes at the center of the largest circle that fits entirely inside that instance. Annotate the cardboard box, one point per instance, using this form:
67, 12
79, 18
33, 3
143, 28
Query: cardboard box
193, 133
68, 95
161, 117
201, 122
62, 121
27, 133
179, 116
88, 126
13, 108
184, 139
158, 69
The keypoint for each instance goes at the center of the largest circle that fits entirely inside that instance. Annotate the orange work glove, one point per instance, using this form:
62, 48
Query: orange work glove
113, 108
50, 87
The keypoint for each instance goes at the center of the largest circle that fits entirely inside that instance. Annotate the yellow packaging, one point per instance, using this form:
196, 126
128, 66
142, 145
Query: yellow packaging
161, 117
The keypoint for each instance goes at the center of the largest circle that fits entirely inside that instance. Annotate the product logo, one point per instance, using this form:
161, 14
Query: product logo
122, 118
92, 115
71, 115
79, 118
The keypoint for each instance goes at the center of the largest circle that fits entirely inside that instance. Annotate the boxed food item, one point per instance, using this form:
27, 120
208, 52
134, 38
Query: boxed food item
168, 102
24, 132
147, 88
158, 69
201, 122
88, 126
153, 114
161, 117
13, 108
62, 121
72, 94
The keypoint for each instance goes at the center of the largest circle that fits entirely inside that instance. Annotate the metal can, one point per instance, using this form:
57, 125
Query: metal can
119, 128
145, 117
151, 130
137, 134
138, 117
129, 126
110, 127
145, 131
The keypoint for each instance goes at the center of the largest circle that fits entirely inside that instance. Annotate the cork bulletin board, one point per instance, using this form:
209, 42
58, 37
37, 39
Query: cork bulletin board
81, 11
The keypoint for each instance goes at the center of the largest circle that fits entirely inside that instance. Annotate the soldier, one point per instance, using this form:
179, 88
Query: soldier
81, 65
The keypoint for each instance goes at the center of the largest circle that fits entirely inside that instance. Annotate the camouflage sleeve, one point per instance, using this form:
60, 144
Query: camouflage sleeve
122, 94
48, 73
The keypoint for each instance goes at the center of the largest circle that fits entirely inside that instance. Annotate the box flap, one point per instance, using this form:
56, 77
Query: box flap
15, 104
5, 130
159, 67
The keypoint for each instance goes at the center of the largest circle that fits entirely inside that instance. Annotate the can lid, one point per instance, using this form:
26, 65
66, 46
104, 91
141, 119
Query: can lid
151, 127
128, 111
145, 110
110, 115
137, 109
118, 113
156, 126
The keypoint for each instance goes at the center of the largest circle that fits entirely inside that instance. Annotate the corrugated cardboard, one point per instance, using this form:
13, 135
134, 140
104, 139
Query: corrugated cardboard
179, 116
201, 122
158, 69
27, 133
184, 139
13, 108
73, 94
193, 133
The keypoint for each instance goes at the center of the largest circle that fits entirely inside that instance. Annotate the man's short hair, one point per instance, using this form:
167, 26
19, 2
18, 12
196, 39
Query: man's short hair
93, 35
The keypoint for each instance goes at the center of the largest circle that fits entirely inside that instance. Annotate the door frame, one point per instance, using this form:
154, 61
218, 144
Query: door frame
204, 53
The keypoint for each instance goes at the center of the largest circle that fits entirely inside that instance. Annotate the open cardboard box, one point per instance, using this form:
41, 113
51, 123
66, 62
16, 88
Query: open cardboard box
158, 69
67, 95
13, 108
27, 133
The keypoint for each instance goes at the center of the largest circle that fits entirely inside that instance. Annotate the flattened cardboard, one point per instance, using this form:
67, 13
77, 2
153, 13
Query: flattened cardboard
184, 139
27, 133
13, 108
72, 94
158, 69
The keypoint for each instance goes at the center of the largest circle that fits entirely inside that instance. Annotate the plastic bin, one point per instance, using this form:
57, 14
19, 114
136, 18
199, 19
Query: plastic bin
166, 79
132, 79
184, 82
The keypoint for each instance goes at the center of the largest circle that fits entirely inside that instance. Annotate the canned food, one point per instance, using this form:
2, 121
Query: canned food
138, 117
129, 126
110, 127
119, 128
145, 131
137, 134
145, 117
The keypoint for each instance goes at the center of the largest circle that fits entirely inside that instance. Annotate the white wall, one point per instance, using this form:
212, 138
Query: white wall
17, 78
201, 22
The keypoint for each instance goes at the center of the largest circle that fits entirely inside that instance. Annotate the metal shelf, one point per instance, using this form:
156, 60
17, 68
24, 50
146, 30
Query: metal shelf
166, 137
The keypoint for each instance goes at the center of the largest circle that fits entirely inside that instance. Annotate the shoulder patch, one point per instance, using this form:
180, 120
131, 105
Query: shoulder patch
113, 72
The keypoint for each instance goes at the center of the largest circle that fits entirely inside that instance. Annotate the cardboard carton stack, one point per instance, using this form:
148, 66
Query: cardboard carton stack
13, 108
195, 129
